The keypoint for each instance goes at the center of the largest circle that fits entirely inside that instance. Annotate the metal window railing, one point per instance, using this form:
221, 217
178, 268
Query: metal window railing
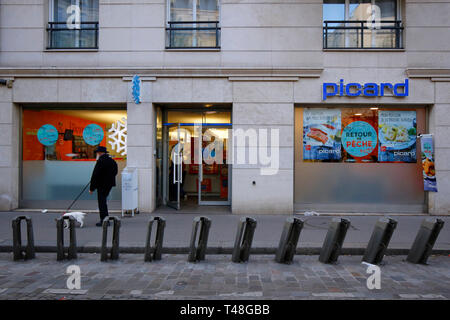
83, 37
359, 34
193, 34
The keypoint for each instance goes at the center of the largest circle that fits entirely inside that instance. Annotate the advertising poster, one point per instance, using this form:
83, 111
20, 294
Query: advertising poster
322, 135
47, 135
397, 133
359, 139
93, 134
429, 172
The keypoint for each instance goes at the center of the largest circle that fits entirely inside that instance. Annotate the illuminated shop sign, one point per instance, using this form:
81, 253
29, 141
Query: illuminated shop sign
369, 89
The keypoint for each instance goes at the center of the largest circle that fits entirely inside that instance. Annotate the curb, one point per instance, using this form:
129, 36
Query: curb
222, 250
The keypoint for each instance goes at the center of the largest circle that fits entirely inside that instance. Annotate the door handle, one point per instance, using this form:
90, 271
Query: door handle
180, 170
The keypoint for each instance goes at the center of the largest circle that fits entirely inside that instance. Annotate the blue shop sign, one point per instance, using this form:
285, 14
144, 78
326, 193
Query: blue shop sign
369, 89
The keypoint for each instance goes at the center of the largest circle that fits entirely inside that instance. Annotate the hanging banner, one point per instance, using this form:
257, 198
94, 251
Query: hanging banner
397, 135
429, 172
322, 134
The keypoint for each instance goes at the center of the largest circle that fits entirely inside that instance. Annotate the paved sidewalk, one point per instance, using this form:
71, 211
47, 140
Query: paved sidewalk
219, 278
223, 230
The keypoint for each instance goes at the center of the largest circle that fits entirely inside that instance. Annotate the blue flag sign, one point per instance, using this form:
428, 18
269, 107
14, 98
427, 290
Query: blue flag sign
136, 84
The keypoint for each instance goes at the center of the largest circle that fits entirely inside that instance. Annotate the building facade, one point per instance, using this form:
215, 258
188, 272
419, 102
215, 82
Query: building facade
342, 88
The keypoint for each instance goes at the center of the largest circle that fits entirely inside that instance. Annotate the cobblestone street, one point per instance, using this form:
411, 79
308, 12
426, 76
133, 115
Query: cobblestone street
219, 278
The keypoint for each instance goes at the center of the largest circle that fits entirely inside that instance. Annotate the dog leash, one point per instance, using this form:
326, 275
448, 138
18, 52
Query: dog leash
77, 197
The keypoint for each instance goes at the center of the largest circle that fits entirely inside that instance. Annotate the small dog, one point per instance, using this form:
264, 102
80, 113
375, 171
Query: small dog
78, 216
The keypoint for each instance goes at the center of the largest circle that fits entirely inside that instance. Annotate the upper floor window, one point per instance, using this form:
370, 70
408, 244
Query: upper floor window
73, 24
193, 24
361, 24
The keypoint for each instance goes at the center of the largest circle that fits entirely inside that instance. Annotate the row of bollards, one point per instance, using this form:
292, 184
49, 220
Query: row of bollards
331, 248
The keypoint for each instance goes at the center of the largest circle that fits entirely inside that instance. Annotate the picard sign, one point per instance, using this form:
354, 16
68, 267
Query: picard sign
369, 89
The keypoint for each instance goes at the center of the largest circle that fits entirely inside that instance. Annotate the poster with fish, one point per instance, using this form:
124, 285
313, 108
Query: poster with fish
321, 135
429, 172
397, 135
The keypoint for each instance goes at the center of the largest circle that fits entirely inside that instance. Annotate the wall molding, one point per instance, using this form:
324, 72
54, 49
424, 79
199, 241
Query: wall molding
125, 72
433, 74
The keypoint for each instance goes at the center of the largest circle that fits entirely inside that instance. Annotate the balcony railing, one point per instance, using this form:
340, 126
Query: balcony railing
83, 36
357, 34
193, 35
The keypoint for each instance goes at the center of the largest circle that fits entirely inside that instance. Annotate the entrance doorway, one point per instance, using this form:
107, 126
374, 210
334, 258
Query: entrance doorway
193, 157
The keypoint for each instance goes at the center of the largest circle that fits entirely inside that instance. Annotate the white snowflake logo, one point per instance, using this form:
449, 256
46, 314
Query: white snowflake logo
118, 136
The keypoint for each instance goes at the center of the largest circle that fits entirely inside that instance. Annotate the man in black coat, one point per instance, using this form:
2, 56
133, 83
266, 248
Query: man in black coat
103, 179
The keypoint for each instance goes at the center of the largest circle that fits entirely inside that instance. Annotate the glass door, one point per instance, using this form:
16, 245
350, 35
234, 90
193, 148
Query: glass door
213, 174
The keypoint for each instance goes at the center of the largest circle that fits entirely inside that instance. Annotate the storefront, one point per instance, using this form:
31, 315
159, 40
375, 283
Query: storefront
342, 154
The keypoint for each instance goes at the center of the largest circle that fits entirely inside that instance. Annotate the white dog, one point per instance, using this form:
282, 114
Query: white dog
78, 216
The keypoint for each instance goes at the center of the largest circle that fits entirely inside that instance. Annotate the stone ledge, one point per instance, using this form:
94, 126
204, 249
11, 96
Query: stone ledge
434, 74
125, 72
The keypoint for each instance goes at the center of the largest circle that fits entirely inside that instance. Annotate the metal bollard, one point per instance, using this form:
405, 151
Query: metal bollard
18, 252
115, 240
289, 240
198, 253
72, 251
244, 238
333, 241
379, 241
425, 239
161, 224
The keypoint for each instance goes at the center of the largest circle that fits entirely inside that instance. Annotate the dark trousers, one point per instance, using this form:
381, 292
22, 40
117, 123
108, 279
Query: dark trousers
102, 194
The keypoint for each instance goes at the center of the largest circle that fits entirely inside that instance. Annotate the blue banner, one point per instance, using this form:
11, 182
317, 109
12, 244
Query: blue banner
429, 171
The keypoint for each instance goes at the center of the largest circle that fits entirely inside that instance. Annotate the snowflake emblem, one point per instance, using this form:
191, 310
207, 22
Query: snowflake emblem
118, 136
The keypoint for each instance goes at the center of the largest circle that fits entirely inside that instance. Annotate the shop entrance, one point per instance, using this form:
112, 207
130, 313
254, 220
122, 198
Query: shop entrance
193, 158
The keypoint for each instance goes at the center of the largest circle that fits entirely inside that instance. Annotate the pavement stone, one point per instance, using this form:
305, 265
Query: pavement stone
174, 277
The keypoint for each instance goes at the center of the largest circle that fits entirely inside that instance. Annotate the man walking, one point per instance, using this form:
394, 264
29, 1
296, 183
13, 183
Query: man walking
103, 179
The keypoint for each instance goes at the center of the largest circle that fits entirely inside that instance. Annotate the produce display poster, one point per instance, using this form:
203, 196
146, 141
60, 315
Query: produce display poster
397, 135
322, 134
429, 172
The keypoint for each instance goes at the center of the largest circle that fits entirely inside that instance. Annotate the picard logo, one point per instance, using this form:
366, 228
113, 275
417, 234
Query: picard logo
369, 89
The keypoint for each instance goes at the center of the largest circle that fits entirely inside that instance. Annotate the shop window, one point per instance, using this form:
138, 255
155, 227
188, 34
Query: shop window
359, 135
361, 24
359, 159
58, 150
73, 24
193, 24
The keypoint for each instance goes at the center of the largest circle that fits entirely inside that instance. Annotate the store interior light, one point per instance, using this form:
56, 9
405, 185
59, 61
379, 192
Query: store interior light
358, 114
374, 108
208, 105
